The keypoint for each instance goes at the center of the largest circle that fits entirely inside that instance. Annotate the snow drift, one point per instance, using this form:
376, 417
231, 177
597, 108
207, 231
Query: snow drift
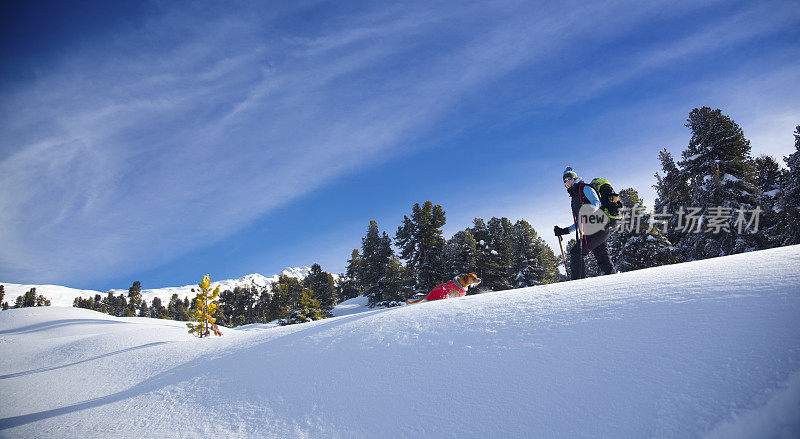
708, 348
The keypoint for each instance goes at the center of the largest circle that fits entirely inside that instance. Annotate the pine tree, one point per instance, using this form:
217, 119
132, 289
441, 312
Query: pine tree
721, 175
638, 243
497, 263
480, 233
107, 303
322, 284
244, 305
349, 284
30, 299
225, 309
42, 301
121, 306
114, 305
241, 306
672, 192
134, 299
80, 302
533, 261
422, 246
769, 180
286, 295
378, 253
393, 288
177, 309
3, 305
308, 309
98, 303
157, 310
373, 265
261, 309
768, 173
27, 300
788, 203
144, 310
205, 305
278, 305
461, 254
386, 254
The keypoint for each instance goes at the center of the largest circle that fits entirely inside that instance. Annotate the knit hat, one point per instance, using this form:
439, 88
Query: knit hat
569, 172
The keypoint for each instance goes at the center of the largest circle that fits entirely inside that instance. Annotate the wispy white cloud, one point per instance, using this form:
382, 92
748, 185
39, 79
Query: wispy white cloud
135, 150
726, 32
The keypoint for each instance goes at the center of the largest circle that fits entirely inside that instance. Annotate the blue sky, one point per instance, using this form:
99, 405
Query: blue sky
160, 141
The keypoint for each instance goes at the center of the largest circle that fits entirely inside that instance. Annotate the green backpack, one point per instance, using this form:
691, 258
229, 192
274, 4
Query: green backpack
609, 200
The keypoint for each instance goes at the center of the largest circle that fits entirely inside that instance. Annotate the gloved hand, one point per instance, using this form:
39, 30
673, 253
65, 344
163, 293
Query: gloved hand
559, 231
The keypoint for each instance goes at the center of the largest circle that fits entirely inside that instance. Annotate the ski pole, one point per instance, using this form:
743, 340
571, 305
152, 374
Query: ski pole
580, 241
563, 258
583, 246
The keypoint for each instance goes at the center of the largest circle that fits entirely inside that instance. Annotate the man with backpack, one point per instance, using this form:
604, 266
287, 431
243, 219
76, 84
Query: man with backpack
592, 235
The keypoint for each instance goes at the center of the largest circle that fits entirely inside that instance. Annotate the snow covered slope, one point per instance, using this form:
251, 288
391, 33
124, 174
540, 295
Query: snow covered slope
708, 348
64, 296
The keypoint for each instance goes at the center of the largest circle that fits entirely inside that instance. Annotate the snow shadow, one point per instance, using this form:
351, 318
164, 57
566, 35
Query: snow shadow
110, 354
175, 375
150, 385
56, 324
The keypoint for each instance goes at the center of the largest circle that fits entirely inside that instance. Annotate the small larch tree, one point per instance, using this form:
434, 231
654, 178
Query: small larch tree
205, 305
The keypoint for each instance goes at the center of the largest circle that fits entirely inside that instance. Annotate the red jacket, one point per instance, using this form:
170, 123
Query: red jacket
445, 290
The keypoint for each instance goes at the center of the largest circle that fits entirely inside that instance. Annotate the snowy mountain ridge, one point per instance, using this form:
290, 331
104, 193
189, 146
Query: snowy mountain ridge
64, 296
701, 349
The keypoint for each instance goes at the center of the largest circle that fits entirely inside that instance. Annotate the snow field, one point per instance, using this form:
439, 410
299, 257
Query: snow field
708, 348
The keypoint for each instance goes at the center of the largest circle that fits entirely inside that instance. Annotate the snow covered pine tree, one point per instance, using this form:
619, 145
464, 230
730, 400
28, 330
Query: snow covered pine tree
722, 181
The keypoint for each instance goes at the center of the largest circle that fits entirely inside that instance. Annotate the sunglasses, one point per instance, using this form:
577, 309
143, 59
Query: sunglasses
567, 180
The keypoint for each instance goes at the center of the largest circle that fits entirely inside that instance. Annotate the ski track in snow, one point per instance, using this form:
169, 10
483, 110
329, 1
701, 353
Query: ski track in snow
708, 348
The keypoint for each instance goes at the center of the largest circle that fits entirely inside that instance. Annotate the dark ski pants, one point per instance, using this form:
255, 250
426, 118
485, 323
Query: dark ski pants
597, 244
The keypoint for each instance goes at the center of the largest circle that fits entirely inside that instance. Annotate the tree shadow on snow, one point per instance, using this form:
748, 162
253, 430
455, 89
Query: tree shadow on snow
57, 324
45, 369
175, 375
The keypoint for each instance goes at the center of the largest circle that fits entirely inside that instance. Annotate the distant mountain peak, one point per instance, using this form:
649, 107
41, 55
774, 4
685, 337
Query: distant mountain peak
64, 296
298, 272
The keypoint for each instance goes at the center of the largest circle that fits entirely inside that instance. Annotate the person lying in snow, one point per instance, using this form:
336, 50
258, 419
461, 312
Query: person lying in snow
455, 288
